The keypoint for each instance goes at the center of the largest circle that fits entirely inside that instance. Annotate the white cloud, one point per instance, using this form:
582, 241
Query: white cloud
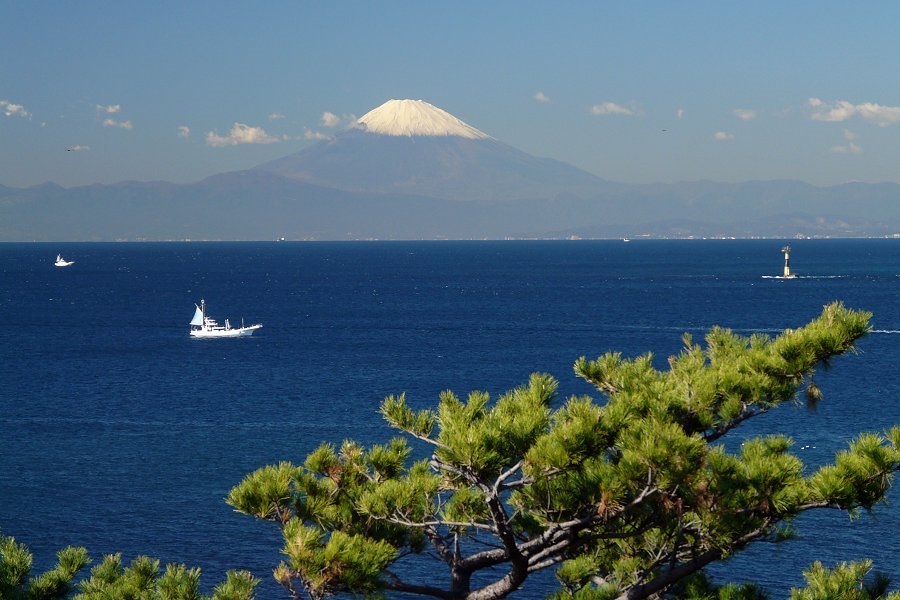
542, 97
119, 124
679, 113
14, 110
745, 114
184, 131
275, 116
611, 108
723, 136
77, 148
843, 110
330, 119
109, 109
240, 134
315, 135
851, 147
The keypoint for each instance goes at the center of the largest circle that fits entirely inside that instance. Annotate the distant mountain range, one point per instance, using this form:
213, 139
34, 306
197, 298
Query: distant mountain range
409, 170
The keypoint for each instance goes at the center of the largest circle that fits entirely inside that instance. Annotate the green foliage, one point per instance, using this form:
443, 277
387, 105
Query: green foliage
699, 587
397, 413
486, 440
142, 580
576, 576
846, 581
629, 497
238, 585
340, 562
15, 567
110, 580
861, 475
264, 491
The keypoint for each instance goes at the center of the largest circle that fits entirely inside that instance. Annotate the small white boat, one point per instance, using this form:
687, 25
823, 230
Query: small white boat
207, 327
61, 262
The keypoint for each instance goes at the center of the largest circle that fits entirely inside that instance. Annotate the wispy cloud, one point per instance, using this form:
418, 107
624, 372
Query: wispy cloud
14, 110
723, 136
78, 148
120, 124
745, 114
309, 134
240, 134
112, 109
542, 97
851, 147
275, 116
184, 131
329, 119
679, 113
611, 108
843, 110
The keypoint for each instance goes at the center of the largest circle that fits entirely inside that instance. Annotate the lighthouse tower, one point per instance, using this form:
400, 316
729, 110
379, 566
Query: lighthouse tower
787, 262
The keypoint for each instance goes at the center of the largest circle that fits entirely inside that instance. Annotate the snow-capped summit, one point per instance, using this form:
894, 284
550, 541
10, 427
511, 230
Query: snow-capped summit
416, 118
411, 148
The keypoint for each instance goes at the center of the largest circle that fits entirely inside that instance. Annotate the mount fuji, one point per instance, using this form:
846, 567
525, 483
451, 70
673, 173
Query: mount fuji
410, 170
410, 147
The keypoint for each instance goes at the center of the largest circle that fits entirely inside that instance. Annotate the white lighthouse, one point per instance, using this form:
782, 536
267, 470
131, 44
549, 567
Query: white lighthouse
787, 262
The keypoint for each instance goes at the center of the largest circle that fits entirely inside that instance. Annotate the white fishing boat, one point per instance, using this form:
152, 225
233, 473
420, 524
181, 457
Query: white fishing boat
203, 326
61, 262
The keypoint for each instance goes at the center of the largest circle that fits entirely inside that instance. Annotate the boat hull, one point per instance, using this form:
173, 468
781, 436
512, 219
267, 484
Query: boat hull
225, 333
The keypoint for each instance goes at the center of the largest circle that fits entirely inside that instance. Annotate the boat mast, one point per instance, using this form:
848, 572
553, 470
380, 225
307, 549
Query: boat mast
203, 310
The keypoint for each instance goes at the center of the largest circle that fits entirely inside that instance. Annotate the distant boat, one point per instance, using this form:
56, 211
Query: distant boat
61, 262
207, 327
625, 240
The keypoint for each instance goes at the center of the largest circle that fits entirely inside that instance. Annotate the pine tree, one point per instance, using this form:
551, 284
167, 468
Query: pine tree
15, 568
109, 580
627, 497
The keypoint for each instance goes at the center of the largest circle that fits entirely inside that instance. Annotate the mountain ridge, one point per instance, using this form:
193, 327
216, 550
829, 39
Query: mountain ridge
423, 179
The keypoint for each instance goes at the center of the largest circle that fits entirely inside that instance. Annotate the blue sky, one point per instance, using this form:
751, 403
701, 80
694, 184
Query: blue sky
630, 91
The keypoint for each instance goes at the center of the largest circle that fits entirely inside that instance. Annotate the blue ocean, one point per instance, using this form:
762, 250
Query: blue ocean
121, 433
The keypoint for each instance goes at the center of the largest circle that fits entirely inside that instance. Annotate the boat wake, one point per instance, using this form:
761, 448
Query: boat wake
805, 277
886, 331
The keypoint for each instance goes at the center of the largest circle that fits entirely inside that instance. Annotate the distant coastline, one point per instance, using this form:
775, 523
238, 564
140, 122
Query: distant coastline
894, 236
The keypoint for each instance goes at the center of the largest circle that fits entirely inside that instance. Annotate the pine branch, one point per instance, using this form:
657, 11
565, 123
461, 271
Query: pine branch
443, 550
675, 574
499, 484
395, 583
399, 520
747, 412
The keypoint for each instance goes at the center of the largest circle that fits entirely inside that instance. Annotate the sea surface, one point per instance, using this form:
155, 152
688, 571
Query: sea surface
121, 433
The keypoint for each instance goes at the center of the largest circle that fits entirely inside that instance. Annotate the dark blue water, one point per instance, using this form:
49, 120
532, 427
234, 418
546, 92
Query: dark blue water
120, 433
